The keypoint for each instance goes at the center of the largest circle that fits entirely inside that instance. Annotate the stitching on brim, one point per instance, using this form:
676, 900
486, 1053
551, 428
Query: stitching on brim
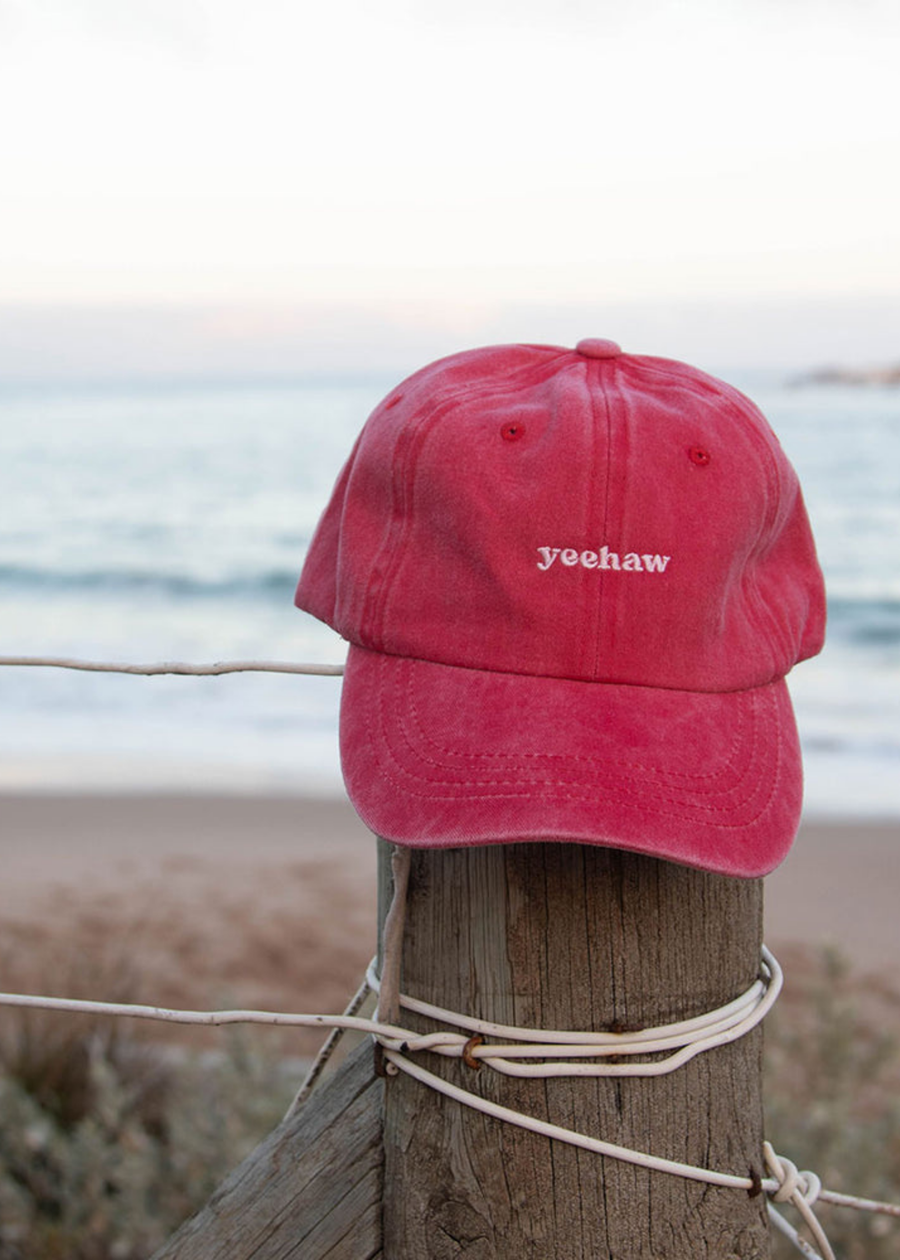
685, 811
519, 758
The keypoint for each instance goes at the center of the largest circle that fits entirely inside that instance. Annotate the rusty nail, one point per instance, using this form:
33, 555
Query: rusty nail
467, 1056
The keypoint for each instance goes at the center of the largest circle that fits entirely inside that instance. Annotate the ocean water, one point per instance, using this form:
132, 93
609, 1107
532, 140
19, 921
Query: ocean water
169, 522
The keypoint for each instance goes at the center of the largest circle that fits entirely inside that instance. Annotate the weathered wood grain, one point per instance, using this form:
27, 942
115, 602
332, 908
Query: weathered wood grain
312, 1190
567, 936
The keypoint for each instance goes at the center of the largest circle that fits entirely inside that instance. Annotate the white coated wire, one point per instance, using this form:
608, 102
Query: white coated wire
802, 1189
175, 667
392, 1035
687, 1038
787, 1184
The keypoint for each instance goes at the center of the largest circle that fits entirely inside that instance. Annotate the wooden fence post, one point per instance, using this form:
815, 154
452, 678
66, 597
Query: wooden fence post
575, 936
312, 1190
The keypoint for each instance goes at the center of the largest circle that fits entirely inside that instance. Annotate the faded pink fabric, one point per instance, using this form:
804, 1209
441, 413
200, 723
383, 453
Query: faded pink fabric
572, 583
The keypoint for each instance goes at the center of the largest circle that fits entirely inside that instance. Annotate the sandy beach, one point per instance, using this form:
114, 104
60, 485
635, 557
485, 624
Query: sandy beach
270, 901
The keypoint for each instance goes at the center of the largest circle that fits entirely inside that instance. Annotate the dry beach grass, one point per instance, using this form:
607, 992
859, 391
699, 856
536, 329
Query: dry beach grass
212, 900
272, 899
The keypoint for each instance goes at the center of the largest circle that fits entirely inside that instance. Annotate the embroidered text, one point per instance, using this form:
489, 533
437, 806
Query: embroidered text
631, 562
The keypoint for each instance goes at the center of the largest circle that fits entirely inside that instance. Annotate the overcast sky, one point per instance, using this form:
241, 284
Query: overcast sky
312, 182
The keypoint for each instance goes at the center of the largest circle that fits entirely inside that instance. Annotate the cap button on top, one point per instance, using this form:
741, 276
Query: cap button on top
597, 348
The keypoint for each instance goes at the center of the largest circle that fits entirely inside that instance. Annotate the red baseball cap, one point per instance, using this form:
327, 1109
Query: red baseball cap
573, 582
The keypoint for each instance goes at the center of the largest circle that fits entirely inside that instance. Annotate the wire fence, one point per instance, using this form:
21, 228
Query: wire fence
174, 667
514, 1052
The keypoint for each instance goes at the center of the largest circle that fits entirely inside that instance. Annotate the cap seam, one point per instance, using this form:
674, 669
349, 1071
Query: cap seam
602, 586
399, 527
587, 682
607, 621
766, 620
736, 404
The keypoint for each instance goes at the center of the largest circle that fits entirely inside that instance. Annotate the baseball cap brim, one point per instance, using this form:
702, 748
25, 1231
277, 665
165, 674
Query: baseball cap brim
441, 756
